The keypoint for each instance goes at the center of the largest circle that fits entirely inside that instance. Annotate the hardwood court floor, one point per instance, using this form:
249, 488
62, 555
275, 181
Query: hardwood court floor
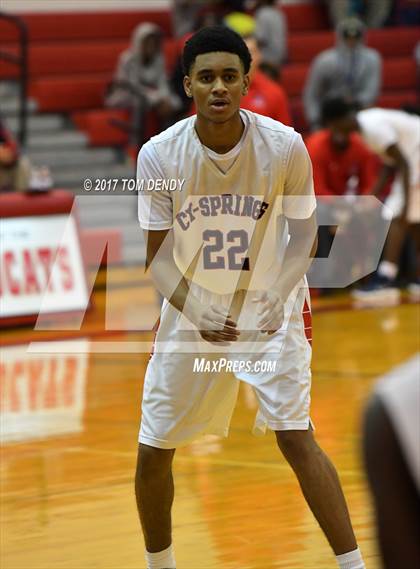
70, 428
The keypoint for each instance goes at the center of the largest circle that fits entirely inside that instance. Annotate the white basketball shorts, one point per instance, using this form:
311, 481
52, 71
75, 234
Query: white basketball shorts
191, 386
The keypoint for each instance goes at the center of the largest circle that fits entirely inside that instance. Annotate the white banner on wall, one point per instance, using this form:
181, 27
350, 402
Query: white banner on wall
41, 267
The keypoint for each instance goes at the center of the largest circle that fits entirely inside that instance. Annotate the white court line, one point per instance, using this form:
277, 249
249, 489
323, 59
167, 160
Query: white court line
137, 347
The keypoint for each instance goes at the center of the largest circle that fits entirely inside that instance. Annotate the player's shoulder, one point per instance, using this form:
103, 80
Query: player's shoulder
368, 113
277, 138
266, 124
177, 131
151, 150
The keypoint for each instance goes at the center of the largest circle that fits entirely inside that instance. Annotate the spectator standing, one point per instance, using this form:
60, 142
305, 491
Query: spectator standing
349, 70
271, 33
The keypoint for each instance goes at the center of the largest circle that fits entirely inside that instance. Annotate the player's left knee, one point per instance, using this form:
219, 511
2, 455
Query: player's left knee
295, 443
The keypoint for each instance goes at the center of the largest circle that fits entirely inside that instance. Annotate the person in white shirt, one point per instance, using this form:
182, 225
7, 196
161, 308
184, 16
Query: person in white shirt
228, 250
395, 137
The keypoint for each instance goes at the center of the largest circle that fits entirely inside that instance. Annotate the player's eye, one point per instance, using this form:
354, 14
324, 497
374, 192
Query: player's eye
206, 78
230, 77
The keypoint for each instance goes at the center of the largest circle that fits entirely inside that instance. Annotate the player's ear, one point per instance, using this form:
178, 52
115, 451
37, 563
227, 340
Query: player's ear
245, 85
187, 86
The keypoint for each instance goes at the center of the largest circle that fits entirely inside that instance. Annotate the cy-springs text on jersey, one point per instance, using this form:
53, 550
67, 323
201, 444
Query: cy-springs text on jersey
226, 204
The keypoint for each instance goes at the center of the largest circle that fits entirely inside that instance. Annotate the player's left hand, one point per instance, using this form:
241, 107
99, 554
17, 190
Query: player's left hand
270, 310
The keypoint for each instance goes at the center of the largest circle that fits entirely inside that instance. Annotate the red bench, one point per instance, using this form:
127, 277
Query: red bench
73, 26
78, 57
75, 92
398, 73
394, 42
397, 99
303, 47
70, 26
71, 92
101, 126
304, 17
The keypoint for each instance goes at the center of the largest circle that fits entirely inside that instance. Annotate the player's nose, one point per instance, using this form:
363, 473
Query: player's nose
219, 86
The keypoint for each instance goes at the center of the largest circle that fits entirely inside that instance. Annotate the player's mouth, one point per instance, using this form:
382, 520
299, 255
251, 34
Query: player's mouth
219, 105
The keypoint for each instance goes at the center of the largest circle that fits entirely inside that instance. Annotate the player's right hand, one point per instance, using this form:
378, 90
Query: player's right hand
216, 326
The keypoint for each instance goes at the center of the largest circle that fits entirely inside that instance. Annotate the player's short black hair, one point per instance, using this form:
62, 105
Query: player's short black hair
335, 108
215, 38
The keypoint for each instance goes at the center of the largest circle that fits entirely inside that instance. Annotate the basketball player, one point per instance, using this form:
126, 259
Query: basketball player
395, 137
229, 254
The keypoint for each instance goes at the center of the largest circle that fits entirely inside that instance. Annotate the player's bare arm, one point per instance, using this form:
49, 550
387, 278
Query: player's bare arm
299, 253
401, 163
298, 257
381, 180
213, 322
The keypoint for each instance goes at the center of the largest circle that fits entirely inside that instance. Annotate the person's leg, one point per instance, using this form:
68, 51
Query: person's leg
22, 174
7, 177
284, 401
320, 486
154, 494
395, 240
377, 13
171, 420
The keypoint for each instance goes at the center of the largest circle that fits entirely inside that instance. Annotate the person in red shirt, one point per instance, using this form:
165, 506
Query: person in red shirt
342, 167
265, 96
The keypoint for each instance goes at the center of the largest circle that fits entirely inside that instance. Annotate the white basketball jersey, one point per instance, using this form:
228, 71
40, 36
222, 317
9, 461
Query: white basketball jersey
229, 227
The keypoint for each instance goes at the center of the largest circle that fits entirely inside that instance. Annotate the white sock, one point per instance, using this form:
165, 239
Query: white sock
388, 269
351, 560
161, 559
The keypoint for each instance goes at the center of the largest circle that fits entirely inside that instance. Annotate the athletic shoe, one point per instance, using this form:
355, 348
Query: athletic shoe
380, 291
414, 290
